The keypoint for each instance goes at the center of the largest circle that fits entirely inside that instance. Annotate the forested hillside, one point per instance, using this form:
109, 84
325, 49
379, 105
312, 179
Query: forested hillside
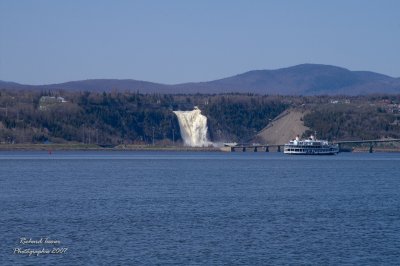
373, 119
131, 118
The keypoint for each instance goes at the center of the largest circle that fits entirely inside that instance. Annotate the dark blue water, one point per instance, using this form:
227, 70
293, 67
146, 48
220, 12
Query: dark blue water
200, 208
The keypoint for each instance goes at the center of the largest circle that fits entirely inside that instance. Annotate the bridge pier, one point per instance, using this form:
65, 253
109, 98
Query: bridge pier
255, 148
364, 144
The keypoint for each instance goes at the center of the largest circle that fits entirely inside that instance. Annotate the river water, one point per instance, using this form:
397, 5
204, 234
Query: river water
157, 208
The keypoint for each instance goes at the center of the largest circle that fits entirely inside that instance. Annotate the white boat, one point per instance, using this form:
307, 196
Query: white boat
310, 146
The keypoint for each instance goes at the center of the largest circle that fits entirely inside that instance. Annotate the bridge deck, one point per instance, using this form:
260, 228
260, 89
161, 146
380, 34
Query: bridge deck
255, 148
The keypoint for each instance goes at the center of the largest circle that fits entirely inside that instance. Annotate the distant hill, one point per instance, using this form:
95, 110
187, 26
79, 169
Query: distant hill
110, 84
94, 85
305, 79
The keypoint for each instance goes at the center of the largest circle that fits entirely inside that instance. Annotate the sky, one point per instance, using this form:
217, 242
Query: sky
176, 41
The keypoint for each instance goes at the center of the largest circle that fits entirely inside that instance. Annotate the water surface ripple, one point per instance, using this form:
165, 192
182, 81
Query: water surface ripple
157, 208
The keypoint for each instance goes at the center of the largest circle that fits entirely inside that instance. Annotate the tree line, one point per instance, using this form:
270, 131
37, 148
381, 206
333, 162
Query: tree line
112, 118
125, 117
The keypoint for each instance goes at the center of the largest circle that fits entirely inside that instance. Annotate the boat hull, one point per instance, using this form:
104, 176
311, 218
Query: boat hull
310, 151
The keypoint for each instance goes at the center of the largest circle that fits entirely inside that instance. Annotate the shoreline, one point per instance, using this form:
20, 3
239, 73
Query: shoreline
93, 147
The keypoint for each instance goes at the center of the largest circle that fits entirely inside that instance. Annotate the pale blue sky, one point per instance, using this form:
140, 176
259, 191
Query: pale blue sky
50, 41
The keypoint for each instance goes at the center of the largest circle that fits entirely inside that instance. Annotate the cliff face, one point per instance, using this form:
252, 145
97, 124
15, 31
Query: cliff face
285, 127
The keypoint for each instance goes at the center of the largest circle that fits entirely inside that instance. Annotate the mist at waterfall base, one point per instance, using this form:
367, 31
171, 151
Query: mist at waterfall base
193, 127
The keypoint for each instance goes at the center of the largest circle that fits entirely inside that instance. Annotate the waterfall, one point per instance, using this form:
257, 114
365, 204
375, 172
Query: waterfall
193, 127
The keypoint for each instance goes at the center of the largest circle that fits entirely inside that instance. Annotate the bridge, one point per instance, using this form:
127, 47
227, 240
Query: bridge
266, 147
371, 142
255, 148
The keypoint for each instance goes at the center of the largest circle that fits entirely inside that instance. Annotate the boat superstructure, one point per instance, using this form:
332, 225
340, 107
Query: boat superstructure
310, 146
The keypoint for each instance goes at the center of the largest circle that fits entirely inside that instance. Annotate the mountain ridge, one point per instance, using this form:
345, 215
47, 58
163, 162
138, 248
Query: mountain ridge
303, 79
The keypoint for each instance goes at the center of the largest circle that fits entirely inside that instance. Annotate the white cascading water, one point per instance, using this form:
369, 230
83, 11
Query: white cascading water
193, 127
